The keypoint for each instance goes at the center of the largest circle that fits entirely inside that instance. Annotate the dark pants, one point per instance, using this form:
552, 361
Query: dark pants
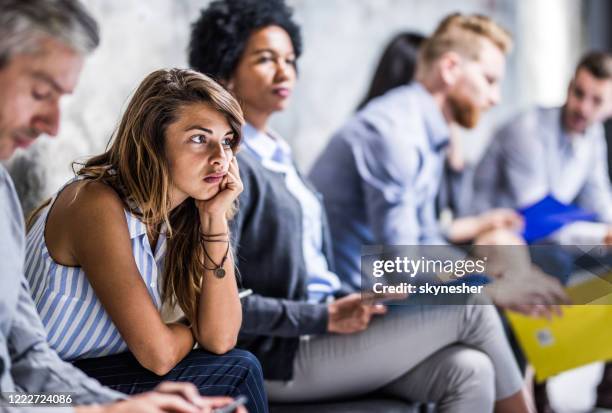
231, 374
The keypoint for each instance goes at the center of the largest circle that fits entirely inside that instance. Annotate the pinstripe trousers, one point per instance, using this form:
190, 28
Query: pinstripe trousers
231, 374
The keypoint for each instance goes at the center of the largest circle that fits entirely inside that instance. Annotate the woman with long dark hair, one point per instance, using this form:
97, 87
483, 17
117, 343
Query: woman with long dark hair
145, 224
396, 66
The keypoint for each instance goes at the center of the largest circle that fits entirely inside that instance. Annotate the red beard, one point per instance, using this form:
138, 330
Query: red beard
464, 112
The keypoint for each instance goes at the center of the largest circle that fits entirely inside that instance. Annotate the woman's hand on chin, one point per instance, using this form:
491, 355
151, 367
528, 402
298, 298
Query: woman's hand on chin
216, 208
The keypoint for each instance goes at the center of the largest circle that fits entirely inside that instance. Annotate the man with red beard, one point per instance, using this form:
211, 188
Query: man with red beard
380, 173
559, 151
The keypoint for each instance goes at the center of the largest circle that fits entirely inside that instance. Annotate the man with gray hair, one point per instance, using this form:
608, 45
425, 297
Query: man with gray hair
42, 48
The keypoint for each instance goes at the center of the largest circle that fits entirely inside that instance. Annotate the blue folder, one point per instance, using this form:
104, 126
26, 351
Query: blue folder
548, 215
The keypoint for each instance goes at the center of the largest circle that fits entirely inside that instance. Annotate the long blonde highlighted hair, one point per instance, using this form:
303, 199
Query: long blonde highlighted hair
135, 166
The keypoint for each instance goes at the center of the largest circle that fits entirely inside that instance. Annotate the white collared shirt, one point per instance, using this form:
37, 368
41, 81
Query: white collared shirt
275, 155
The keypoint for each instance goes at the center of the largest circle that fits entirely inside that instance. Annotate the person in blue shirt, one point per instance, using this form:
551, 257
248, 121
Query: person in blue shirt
558, 151
381, 172
397, 67
315, 341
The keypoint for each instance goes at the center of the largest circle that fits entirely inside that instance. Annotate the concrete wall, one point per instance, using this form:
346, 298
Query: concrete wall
343, 40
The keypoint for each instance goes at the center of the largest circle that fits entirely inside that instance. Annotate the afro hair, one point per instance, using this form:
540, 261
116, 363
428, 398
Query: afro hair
220, 35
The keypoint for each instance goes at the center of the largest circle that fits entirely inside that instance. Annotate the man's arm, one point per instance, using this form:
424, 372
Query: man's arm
581, 233
387, 181
282, 318
523, 156
11, 266
37, 368
596, 194
486, 179
431, 231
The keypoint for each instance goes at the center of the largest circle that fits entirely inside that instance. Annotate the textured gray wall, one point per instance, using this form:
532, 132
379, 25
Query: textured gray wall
343, 40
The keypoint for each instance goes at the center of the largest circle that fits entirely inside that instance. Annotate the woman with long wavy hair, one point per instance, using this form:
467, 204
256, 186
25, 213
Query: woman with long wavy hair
145, 224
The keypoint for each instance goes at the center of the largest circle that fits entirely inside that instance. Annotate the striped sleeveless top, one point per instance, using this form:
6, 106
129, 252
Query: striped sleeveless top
77, 325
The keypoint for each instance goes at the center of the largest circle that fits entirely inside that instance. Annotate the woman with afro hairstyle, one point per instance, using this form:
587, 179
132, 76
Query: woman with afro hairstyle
314, 341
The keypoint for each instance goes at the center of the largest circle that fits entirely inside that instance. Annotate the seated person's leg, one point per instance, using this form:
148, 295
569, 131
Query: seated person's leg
337, 366
449, 378
234, 373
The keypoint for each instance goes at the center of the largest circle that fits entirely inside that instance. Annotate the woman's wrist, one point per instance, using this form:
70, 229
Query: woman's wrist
213, 224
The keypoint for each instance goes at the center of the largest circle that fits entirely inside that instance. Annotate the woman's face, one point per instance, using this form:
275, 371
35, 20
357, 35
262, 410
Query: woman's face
198, 149
265, 75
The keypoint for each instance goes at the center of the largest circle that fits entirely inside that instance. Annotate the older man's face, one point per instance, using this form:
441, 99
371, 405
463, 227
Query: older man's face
31, 86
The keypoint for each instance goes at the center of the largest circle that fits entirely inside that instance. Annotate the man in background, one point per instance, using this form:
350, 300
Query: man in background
558, 151
381, 172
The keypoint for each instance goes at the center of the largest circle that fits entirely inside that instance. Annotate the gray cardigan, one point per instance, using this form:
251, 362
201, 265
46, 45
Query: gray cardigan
268, 246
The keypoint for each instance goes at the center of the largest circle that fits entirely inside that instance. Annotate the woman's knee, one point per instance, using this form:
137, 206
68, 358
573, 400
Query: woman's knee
471, 373
466, 363
247, 361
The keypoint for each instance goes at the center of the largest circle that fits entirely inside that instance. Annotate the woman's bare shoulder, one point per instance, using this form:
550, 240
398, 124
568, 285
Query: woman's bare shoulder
81, 209
88, 197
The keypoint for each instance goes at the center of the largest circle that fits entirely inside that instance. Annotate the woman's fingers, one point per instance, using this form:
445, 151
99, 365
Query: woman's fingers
233, 167
231, 180
235, 177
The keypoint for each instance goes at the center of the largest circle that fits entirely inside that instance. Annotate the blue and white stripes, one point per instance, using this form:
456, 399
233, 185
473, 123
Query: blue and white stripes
76, 323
